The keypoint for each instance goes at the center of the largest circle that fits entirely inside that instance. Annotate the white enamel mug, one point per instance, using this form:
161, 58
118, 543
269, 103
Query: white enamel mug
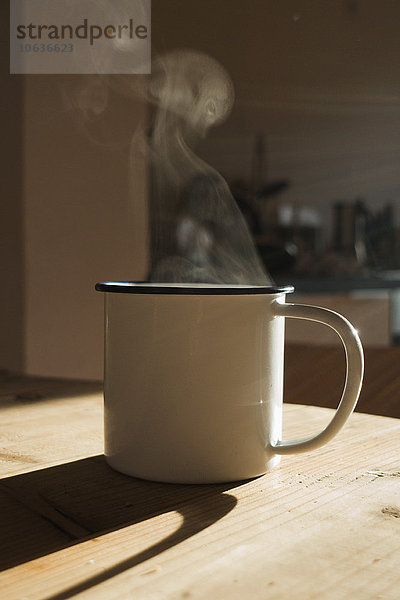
194, 379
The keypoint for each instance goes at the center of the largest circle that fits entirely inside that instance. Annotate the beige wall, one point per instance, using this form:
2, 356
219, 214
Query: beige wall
68, 219
68, 215
82, 224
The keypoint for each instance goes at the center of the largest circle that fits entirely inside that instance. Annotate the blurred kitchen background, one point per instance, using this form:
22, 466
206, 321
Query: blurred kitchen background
311, 152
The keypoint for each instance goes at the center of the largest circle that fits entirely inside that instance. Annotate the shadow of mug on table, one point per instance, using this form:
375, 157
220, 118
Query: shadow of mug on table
47, 510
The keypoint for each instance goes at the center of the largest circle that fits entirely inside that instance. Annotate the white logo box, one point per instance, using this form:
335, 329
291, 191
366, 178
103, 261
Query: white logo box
80, 36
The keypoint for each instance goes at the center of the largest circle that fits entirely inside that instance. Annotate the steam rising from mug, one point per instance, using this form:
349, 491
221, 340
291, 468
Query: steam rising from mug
197, 231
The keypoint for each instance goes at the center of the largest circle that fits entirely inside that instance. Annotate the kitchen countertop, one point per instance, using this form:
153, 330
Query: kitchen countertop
388, 280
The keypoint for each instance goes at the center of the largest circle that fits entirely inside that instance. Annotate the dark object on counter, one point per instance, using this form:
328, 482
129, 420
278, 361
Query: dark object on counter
350, 230
366, 238
382, 239
277, 258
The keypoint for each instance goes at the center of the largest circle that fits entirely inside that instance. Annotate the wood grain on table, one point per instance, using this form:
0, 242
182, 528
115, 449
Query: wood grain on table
324, 524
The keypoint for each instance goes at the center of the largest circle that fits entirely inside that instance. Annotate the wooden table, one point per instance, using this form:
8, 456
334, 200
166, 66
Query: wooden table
322, 525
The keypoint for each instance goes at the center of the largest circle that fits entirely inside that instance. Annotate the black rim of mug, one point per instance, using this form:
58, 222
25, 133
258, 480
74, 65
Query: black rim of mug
206, 289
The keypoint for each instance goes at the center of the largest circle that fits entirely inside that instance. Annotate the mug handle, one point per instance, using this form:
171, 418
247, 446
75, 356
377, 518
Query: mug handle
354, 373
